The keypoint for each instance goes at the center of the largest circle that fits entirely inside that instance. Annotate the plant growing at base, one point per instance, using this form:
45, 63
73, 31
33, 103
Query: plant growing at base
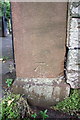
9, 82
14, 107
34, 115
44, 114
9, 109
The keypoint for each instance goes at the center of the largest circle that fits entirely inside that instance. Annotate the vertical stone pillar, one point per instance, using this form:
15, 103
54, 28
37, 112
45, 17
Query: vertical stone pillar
39, 31
73, 58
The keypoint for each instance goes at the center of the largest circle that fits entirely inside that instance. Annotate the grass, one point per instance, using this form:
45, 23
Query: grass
71, 104
15, 107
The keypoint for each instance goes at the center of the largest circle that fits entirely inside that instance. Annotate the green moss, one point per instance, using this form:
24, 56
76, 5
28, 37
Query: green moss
70, 104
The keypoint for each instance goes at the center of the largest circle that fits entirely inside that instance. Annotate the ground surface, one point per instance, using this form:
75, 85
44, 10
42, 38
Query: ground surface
56, 115
5, 73
6, 65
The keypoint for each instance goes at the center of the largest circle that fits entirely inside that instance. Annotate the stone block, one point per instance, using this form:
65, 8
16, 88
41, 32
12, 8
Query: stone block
74, 34
73, 68
74, 24
73, 60
39, 31
42, 92
73, 78
75, 9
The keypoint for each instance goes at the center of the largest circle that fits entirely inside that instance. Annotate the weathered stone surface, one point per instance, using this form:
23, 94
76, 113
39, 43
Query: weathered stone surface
74, 33
39, 31
74, 24
75, 8
73, 68
73, 57
73, 60
43, 92
73, 78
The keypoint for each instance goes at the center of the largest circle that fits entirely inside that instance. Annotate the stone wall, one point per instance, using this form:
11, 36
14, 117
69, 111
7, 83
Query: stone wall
73, 44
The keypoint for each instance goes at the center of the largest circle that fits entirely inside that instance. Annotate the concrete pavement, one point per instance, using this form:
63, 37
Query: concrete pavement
7, 65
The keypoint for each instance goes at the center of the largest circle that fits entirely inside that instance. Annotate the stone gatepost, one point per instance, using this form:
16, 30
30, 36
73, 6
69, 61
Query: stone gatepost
39, 32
